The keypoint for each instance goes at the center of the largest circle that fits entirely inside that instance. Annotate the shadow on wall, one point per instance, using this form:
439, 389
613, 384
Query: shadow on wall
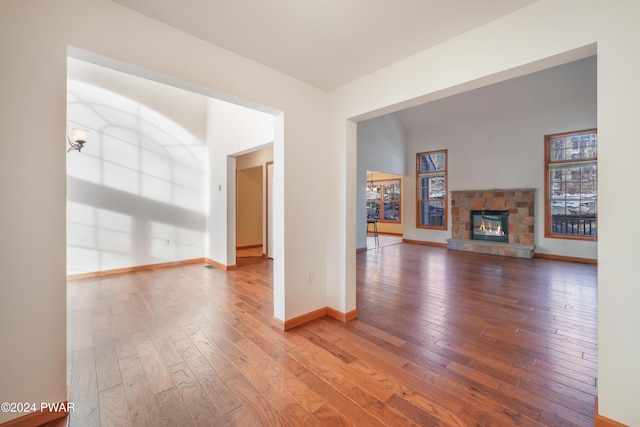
136, 193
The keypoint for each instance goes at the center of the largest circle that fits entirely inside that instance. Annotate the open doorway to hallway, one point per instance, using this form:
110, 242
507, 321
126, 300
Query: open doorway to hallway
252, 226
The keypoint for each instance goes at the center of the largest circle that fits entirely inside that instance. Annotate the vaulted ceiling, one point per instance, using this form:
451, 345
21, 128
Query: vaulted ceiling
325, 43
328, 43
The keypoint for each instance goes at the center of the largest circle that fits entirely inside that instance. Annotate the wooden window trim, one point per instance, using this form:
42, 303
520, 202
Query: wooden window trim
445, 219
547, 204
381, 217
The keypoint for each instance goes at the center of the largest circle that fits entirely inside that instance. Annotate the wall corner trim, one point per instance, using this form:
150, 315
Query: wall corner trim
600, 421
343, 317
313, 315
53, 412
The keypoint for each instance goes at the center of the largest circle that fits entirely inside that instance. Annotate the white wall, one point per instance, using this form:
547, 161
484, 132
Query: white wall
381, 145
32, 189
545, 34
186, 109
231, 130
35, 35
35, 38
495, 139
136, 193
618, 175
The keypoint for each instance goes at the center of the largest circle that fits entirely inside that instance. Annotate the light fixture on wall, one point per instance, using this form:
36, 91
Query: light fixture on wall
77, 138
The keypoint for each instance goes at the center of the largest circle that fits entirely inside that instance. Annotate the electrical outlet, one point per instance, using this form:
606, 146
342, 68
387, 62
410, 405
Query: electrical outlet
166, 242
310, 277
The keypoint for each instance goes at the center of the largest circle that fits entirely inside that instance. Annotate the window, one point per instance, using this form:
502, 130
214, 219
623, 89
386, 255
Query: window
383, 200
431, 171
571, 185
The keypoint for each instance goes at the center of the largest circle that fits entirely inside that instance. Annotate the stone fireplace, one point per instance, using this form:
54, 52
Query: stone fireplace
503, 225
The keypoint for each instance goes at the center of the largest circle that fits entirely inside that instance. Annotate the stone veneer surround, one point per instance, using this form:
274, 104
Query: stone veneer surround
521, 206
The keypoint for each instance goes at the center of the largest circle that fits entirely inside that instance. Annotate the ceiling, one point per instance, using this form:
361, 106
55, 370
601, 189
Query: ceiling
326, 43
556, 87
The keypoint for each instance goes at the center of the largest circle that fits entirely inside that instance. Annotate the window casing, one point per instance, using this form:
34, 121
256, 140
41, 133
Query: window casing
431, 185
384, 200
571, 165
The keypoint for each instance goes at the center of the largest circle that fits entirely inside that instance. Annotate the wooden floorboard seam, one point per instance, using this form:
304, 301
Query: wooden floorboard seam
442, 338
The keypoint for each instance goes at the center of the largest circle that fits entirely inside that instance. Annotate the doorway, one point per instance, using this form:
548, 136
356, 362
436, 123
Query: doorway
249, 212
252, 200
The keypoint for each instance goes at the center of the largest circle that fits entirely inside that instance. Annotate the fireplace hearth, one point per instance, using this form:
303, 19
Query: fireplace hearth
490, 225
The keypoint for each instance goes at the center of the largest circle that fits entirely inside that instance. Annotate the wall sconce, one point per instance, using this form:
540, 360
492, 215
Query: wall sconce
77, 138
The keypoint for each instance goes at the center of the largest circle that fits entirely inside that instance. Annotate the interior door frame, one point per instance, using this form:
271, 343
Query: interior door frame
269, 169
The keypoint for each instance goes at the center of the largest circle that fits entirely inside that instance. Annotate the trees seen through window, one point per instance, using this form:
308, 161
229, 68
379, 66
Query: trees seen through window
384, 200
431, 171
571, 185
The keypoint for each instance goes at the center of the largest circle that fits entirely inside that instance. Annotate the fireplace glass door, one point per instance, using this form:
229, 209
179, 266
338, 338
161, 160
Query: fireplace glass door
490, 225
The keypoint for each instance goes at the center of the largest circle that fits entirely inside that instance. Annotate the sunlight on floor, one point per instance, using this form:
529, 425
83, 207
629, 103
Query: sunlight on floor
384, 239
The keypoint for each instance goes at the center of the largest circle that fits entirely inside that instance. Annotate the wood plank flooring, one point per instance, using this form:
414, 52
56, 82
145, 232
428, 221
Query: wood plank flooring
443, 338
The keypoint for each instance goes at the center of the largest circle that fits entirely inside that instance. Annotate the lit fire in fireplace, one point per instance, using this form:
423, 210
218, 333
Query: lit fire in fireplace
490, 225
490, 229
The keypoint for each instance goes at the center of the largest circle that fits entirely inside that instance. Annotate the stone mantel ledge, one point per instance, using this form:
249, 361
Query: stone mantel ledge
495, 190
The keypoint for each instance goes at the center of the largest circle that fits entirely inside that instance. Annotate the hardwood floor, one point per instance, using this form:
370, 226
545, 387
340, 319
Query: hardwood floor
442, 338
249, 252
